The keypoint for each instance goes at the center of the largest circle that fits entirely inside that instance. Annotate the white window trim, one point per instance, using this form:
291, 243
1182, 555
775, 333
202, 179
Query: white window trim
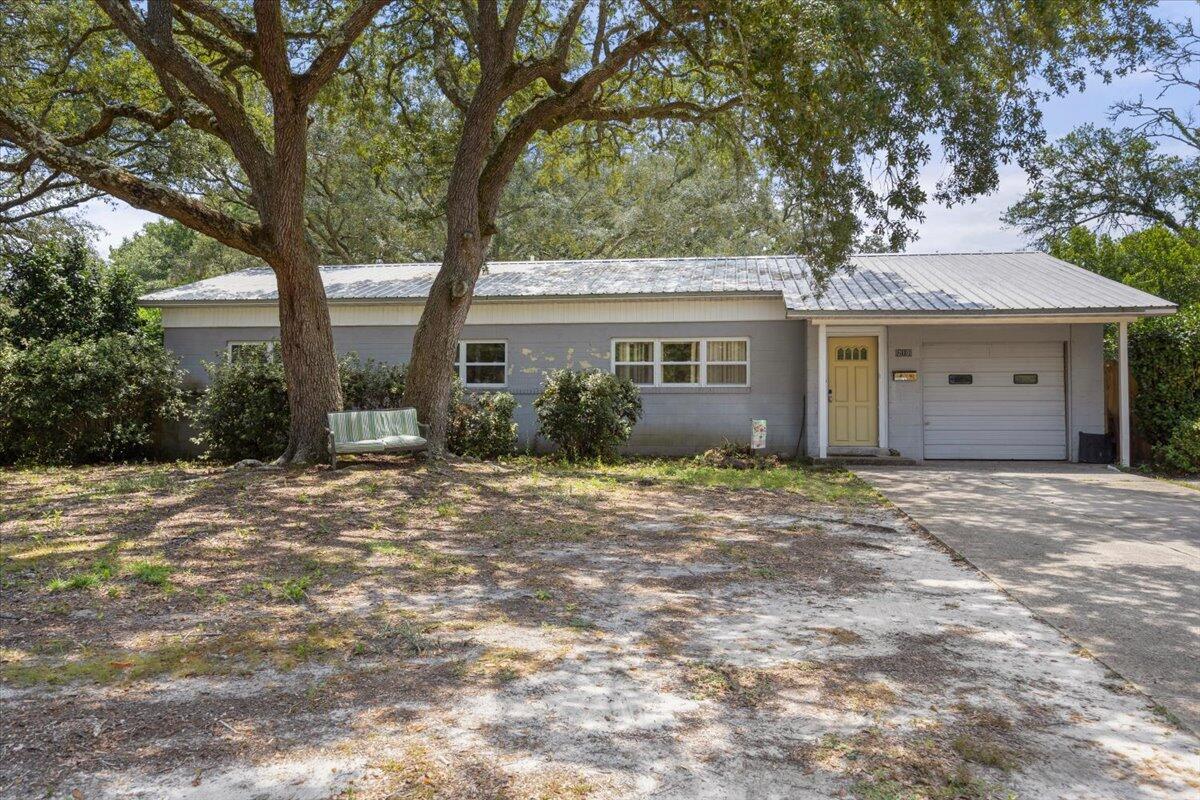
659, 363
703, 364
652, 363
462, 363
269, 343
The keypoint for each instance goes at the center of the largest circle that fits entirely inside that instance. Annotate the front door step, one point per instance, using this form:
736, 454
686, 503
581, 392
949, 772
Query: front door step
861, 460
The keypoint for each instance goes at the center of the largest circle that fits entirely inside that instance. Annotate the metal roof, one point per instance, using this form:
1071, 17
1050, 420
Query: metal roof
953, 283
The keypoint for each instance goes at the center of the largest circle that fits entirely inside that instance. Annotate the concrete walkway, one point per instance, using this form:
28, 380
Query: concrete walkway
1110, 558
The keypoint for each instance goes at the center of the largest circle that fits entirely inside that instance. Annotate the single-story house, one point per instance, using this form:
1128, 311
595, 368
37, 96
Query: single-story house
938, 356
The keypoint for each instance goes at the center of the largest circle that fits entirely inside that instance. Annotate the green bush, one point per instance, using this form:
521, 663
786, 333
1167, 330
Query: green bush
482, 426
71, 401
59, 289
370, 384
1181, 453
588, 414
1164, 358
244, 412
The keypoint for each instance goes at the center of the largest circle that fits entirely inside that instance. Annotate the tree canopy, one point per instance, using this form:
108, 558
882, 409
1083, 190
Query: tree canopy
654, 203
59, 289
208, 112
1156, 260
1123, 179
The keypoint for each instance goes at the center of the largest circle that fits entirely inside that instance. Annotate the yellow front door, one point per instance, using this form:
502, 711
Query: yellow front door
853, 392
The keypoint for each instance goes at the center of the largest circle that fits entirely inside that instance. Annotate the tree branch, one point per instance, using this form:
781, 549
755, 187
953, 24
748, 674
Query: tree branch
111, 113
272, 51
222, 22
326, 63
134, 190
551, 69
154, 40
512, 25
683, 110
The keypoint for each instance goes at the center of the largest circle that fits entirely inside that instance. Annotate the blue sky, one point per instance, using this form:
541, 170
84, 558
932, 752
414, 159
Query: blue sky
973, 227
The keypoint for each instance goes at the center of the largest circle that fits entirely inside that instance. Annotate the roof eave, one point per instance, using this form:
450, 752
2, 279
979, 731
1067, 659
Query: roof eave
148, 302
1112, 312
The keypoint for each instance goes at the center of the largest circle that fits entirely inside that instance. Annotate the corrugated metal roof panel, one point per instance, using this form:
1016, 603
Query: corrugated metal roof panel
872, 284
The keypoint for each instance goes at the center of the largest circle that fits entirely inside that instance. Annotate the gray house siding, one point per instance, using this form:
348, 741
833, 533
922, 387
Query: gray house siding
677, 420
1084, 376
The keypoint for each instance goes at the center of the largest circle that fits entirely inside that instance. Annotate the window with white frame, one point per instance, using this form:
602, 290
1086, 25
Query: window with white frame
243, 351
679, 363
727, 362
634, 360
482, 363
683, 362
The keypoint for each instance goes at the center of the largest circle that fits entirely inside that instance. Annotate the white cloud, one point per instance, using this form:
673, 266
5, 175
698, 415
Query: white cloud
976, 225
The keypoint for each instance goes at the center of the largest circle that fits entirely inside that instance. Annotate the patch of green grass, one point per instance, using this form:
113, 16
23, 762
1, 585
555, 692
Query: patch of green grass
296, 589
235, 653
1165, 714
446, 510
819, 484
128, 484
423, 560
99, 572
985, 751
737, 685
152, 573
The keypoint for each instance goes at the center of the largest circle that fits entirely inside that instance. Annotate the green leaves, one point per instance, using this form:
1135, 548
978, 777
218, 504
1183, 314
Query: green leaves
71, 401
588, 414
60, 289
1108, 179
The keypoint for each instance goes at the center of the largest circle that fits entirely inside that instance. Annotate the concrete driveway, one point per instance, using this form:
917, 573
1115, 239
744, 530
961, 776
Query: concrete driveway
1110, 558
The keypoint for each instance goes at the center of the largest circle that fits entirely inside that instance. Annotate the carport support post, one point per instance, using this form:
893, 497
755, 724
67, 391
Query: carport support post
1123, 388
822, 391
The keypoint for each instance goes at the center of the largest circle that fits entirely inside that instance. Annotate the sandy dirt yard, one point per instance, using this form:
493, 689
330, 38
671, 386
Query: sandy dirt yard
531, 631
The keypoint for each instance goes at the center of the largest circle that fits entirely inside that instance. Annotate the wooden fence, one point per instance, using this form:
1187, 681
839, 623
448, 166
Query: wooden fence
1138, 446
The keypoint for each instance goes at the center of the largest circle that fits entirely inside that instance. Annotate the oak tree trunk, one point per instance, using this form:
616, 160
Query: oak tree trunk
309, 362
430, 371
469, 230
305, 332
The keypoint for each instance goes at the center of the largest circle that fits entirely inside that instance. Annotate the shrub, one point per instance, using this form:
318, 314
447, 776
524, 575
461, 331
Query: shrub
1164, 357
588, 414
370, 384
70, 401
1181, 453
59, 289
482, 426
244, 413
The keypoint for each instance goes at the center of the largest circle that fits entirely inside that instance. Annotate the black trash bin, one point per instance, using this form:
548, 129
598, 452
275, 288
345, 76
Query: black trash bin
1096, 448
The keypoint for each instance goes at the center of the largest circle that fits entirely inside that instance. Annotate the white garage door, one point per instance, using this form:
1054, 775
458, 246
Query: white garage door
997, 400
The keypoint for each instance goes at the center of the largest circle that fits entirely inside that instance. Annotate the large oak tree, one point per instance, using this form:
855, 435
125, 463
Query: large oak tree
1124, 179
843, 96
139, 100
